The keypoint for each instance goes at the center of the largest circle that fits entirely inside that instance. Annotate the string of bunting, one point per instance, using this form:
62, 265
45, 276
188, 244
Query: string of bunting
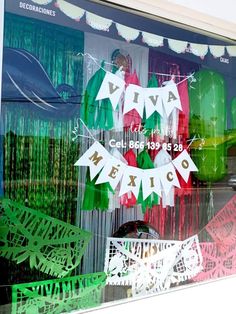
130, 34
162, 100
137, 97
112, 170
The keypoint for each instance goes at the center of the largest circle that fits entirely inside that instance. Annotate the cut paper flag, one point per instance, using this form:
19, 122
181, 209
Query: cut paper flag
151, 182
153, 101
168, 177
48, 244
184, 164
112, 172
216, 264
95, 158
131, 181
170, 98
222, 227
112, 87
134, 99
57, 296
151, 266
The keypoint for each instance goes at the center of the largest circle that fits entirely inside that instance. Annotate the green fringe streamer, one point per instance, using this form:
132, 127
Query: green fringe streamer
96, 196
153, 122
144, 162
97, 114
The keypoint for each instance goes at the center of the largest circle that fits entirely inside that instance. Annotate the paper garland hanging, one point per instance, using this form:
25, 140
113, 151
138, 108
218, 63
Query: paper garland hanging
153, 99
112, 170
131, 34
58, 295
50, 245
151, 266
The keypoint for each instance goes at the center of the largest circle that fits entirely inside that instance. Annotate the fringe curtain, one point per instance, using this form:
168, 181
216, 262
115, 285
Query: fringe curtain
39, 155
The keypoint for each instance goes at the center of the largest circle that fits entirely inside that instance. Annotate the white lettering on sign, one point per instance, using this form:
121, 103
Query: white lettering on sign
224, 60
36, 8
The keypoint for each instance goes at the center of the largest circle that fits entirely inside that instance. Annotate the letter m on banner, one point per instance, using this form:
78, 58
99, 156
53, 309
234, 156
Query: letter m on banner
95, 158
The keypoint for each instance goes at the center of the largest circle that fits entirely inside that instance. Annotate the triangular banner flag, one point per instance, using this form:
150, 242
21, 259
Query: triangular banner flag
171, 98
168, 177
95, 157
112, 87
134, 99
112, 172
151, 182
131, 181
184, 164
153, 100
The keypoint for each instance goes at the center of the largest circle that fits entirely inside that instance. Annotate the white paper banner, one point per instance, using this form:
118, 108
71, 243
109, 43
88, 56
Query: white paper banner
151, 182
95, 157
168, 177
158, 180
171, 99
131, 181
153, 100
184, 164
112, 172
134, 99
112, 87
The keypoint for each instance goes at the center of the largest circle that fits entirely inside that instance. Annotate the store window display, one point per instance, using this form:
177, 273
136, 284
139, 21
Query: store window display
116, 147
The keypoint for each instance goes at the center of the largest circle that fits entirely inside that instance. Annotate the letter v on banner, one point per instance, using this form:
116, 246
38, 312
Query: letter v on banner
112, 87
131, 181
153, 101
95, 157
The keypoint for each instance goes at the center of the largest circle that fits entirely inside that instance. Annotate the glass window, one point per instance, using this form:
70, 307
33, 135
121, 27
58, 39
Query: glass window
117, 163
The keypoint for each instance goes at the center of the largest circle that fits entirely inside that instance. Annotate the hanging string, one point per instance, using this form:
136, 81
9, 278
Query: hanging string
97, 62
